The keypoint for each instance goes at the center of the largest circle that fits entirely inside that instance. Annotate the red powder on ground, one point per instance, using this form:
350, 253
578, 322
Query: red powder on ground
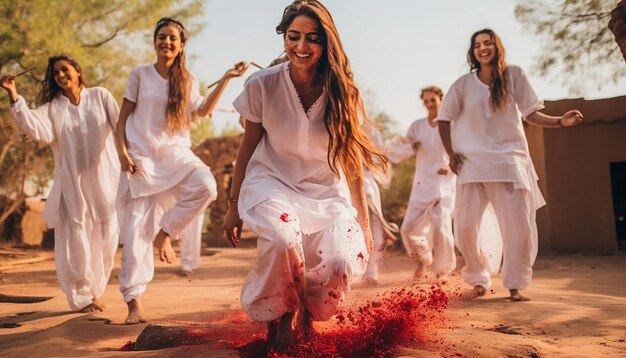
375, 329
129, 346
284, 217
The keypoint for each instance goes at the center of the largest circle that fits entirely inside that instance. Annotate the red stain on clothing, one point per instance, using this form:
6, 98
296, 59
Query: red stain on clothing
360, 256
284, 217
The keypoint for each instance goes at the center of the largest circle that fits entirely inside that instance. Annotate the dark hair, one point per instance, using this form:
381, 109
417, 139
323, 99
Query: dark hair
178, 79
499, 82
433, 89
347, 140
49, 89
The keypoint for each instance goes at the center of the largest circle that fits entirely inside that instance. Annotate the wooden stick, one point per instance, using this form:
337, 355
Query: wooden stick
252, 63
25, 71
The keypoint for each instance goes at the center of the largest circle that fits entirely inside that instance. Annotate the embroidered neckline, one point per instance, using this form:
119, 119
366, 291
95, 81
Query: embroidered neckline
317, 101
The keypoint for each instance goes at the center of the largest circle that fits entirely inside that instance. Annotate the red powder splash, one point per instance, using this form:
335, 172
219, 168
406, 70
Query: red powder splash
129, 346
284, 217
360, 256
398, 317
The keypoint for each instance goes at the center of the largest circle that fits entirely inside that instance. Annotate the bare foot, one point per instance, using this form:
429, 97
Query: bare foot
420, 272
370, 282
305, 324
93, 307
517, 297
284, 333
163, 243
479, 290
135, 312
442, 278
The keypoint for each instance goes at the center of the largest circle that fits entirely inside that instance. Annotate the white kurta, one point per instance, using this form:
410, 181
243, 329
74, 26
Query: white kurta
427, 226
496, 152
171, 186
81, 204
310, 245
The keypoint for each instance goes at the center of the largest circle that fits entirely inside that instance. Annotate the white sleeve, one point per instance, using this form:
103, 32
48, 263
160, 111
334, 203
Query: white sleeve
132, 86
399, 152
524, 95
452, 103
111, 108
195, 98
35, 123
250, 102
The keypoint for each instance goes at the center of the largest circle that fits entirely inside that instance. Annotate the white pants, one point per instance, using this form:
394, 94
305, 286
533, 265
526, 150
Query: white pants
191, 244
84, 256
171, 210
294, 269
516, 218
376, 255
427, 233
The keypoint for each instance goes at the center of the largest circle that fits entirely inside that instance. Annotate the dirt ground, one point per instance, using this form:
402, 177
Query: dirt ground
578, 309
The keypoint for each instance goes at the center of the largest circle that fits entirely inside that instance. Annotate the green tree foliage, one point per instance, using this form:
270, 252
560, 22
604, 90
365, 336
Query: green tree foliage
107, 37
576, 39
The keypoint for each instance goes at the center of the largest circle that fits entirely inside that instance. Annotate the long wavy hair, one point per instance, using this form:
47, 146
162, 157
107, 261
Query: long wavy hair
348, 143
178, 81
49, 89
498, 85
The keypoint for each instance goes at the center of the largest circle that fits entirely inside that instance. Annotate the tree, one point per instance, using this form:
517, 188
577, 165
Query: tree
107, 37
576, 39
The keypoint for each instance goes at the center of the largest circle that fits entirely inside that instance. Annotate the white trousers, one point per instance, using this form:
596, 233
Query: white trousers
427, 233
516, 219
376, 255
171, 210
191, 244
84, 255
294, 269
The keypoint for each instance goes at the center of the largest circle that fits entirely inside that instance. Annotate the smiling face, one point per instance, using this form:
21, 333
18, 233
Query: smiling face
65, 75
484, 49
304, 43
432, 102
168, 42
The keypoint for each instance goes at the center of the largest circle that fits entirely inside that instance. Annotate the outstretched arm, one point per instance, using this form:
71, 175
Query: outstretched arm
211, 100
569, 119
36, 123
251, 138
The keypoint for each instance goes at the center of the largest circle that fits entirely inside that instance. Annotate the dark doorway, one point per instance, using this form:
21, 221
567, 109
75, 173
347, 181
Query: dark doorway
618, 187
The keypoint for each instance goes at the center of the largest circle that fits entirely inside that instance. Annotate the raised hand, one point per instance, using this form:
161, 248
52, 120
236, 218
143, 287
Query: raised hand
238, 69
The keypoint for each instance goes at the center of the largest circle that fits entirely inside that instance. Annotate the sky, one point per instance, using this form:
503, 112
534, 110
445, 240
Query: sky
395, 47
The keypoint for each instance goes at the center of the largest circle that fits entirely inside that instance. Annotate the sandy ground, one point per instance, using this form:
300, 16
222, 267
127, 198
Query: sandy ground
578, 309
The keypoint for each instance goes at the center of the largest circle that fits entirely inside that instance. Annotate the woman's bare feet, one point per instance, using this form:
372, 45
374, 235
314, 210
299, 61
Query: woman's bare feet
480, 290
94, 306
420, 272
517, 297
163, 243
284, 333
135, 312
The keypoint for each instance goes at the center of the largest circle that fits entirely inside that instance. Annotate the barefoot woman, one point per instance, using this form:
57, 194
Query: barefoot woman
166, 186
301, 159
78, 123
482, 132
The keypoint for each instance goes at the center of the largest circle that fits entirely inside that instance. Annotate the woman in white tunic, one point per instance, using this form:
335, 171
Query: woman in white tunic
166, 186
427, 226
481, 128
298, 167
78, 123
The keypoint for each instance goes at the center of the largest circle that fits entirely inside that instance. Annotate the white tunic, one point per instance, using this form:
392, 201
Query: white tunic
86, 166
430, 157
291, 156
492, 141
162, 159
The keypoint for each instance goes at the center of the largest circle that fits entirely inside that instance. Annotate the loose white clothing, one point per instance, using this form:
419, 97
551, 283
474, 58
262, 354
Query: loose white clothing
171, 186
496, 152
427, 226
81, 204
310, 246
191, 244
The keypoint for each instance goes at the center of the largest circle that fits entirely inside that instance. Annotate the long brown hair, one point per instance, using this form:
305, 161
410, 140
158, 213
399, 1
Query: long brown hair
49, 89
347, 140
178, 80
499, 81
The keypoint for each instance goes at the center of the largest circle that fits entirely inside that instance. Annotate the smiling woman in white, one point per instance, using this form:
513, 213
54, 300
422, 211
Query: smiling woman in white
481, 128
77, 123
300, 181
166, 186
